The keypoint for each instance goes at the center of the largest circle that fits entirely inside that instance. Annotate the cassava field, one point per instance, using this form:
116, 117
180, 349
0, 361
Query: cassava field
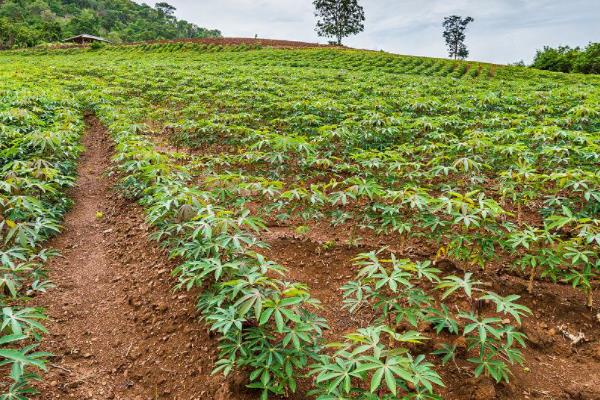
337, 224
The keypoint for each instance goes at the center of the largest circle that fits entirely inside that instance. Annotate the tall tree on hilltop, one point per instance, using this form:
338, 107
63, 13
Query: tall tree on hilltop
339, 18
454, 33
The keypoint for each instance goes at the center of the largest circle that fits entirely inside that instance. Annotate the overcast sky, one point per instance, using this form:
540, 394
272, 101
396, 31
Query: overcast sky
504, 31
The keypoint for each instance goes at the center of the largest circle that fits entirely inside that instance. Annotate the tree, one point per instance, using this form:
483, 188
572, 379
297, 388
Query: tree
85, 22
165, 9
454, 33
560, 59
567, 59
339, 18
588, 62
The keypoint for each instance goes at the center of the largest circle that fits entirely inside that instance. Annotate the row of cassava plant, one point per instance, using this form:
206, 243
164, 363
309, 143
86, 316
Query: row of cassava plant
464, 168
268, 327
466, 227
39, 145
501, 169
413, 302
295, 174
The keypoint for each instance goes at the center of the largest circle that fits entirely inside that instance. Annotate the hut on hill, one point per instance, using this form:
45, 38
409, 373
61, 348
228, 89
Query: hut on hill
85, 39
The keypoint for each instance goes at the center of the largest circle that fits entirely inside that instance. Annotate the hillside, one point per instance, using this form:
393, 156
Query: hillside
338, 224
25, 23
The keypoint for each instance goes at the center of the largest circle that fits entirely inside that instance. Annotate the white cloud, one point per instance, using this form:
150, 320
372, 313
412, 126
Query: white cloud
504, 30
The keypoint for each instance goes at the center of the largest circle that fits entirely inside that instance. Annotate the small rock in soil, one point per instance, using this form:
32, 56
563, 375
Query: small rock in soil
539, 338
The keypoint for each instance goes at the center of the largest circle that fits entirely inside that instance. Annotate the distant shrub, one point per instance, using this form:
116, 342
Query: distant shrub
97, 46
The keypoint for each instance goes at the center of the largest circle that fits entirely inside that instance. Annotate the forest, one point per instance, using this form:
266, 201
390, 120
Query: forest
26, 23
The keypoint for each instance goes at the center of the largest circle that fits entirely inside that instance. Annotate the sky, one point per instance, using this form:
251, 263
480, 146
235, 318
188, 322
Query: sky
504, 31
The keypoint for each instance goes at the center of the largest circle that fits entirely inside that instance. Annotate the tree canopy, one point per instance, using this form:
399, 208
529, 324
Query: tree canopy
454, 34
25, 23
339, 18
567, 59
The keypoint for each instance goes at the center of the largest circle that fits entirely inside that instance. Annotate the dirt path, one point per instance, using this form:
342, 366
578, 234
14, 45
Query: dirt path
117, 329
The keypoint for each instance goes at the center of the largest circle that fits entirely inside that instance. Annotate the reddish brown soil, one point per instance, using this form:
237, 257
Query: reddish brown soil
247, 41
117, 329
554, 369
275, 43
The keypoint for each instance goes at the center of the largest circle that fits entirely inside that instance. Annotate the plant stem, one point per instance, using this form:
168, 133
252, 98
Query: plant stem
531, 279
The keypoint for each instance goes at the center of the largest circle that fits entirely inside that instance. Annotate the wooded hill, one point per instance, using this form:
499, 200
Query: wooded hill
26, 23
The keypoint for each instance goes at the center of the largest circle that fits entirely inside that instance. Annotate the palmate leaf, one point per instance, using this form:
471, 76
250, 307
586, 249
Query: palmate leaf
252, 299
355, 294
482, 327
447, 352
11, 282
581, 278
388, 369
453, 283
413, 337
281, 311
393, 280
425, 270
298, 334
442, 319
507, 305
12, 254
21, 359
23, 320
17, 356
497, 369
369, 263
424, 375
224, 366
337, 376
578, 256
224, 320
19, 391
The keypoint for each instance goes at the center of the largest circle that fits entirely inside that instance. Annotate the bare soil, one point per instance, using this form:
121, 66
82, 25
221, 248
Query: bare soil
117, 329
274, 43
228, 41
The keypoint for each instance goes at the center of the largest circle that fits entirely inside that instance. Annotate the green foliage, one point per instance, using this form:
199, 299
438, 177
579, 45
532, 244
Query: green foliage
339, 18
398, 292
25, 23
454, 34
588, 61
38, 148
372, 364
567, 59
